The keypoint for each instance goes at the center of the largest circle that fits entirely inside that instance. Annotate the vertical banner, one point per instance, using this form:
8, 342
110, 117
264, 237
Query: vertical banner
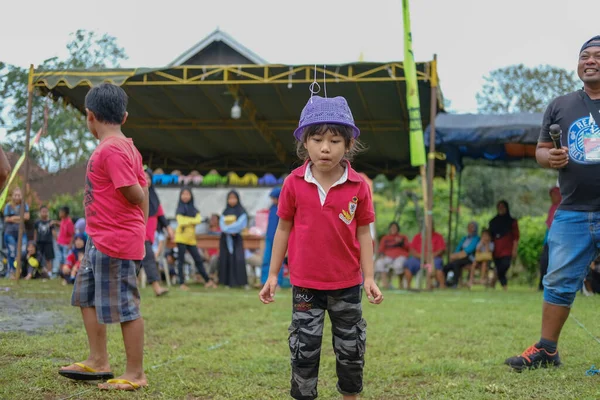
417, 146
16, 169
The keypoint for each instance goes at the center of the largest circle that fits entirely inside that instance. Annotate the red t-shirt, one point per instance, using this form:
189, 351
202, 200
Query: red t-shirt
437, 242
73, 260
389, 245
66, 232
152, 224
503, 246
323, 250
116, 226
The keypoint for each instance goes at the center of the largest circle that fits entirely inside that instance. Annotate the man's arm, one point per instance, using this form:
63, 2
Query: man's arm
549, 157
5, 168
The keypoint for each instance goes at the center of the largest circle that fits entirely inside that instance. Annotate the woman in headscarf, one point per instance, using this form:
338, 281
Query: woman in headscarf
185, 237
156, 221
232, 263
505, 234
463, 255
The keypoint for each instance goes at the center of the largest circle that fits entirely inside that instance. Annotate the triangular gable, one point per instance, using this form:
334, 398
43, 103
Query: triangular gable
218, 48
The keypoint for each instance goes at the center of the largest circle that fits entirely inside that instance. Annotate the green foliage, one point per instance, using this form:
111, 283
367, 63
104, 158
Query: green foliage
533, 230
518, 88
68, 140
74, 202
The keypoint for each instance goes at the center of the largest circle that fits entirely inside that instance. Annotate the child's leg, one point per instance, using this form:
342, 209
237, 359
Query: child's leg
84, 296
306, 334
349, 338
484, 273
133, 337
180, 261
200, 265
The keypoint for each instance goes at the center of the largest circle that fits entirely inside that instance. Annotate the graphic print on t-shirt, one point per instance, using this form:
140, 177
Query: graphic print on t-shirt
584, 141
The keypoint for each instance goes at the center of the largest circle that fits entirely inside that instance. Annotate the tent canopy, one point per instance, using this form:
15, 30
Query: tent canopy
180, 116
487, 138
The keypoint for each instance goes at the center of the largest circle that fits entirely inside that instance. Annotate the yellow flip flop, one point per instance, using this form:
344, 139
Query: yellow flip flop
134, 386
88, 374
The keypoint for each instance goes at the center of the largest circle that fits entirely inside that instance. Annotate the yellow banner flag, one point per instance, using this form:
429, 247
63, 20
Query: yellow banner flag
417, 147
16, 169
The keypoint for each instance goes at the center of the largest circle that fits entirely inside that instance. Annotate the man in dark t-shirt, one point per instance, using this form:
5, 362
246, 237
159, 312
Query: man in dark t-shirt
44, 237
574, 238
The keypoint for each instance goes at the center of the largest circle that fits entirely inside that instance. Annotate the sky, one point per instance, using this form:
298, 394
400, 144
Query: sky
470, 37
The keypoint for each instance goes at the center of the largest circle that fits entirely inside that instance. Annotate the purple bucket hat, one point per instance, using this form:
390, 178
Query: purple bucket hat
320, 110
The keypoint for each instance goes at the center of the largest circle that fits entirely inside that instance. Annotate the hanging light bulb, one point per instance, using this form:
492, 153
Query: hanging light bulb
236, 110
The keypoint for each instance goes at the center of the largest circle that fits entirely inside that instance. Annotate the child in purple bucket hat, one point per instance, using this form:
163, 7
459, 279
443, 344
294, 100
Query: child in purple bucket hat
325, 209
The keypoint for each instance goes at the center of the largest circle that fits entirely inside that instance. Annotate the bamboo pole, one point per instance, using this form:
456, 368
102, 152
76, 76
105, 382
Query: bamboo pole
25, 184
450, 211
431, 168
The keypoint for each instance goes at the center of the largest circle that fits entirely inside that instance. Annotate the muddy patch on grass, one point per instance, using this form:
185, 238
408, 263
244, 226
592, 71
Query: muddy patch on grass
27, 315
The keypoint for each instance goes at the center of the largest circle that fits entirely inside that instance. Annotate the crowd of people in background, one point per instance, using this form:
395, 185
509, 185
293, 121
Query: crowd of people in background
491, 250
482, 256
55, 247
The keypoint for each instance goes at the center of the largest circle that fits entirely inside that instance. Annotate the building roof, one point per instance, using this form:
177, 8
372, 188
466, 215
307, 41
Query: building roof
217, 36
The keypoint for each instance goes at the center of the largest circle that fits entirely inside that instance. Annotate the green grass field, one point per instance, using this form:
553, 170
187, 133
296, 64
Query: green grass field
224, 344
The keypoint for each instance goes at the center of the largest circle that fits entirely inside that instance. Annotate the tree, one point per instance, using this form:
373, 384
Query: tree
518, 88
68, 141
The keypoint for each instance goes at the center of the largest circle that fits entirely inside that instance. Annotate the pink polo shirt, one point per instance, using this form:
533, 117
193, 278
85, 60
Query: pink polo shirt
116, 226
323, 249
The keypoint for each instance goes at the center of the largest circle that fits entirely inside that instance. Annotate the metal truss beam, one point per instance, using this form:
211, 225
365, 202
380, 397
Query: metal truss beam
240, 75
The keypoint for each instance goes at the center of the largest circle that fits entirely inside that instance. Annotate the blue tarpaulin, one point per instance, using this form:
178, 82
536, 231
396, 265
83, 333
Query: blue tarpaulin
486, 137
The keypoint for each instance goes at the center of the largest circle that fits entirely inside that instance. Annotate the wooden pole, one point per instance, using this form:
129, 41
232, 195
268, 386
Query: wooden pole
26, 177
458, 205
431, 164
450, 211
423, 260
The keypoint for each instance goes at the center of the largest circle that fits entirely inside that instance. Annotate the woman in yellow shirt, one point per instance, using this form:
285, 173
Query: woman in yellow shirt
185, 236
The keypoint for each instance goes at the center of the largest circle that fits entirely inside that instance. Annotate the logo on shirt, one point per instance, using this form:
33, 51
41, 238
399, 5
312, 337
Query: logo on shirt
348, 215
584, 141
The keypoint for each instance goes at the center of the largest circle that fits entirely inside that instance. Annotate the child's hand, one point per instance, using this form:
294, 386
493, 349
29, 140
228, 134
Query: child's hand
373, 293
267, 293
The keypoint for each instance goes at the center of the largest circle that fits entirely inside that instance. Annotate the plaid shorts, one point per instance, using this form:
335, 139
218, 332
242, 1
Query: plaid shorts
109, 284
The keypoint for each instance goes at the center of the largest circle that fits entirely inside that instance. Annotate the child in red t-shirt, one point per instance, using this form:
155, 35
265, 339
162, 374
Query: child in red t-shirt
325, 209
116, 210
73, 262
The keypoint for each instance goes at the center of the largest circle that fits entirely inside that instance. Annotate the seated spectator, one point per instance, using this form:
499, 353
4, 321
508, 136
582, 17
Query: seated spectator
393, 252
74, 258
483, 258
463, 255
592, 280
413, 264
32, 263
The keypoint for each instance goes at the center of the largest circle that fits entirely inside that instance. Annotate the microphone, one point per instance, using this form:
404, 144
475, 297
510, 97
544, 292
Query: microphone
555, 133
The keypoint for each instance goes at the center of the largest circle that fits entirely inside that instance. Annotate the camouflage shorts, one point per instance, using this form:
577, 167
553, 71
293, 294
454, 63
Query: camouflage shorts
306, 332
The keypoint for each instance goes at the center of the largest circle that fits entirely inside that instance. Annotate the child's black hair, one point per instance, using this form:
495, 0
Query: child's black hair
108, 102
486, 230
394, 223
65, 209
43, 206
344, 131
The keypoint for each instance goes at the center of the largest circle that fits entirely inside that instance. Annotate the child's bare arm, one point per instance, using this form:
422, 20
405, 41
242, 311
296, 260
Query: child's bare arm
280, 245
366, 251
134, 194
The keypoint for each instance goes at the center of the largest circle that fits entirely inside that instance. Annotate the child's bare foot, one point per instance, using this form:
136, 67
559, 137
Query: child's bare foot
210, 284
28, 277
184, 287
125, 382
